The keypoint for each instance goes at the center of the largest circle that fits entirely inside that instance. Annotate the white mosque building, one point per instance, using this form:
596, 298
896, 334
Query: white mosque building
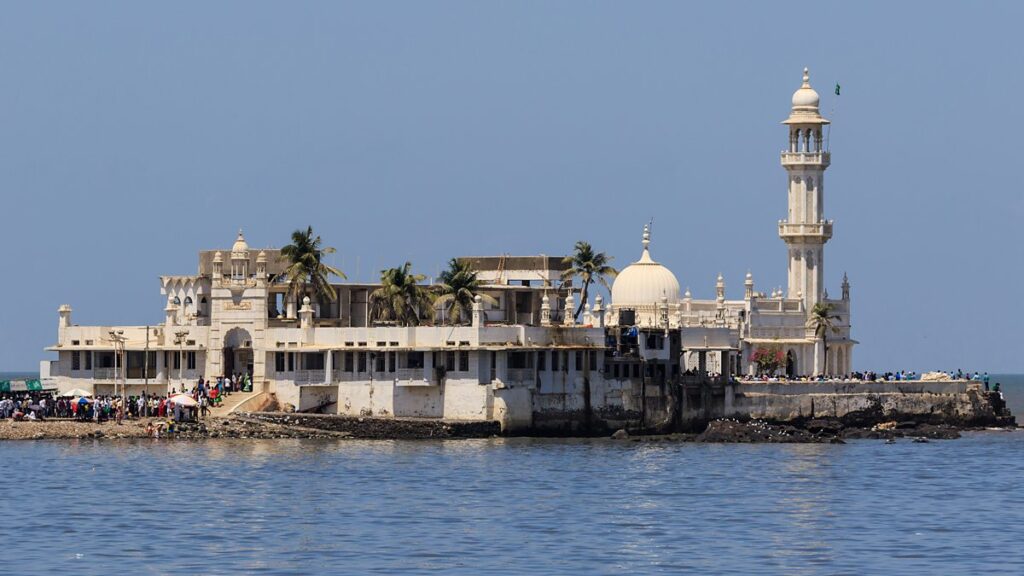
516, 359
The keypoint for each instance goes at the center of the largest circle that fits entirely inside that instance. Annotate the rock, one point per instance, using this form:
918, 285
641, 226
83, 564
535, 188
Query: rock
620, 434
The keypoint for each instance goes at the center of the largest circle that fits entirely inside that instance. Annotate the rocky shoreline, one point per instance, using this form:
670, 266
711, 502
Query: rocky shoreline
251, 426
278, 425
729, 431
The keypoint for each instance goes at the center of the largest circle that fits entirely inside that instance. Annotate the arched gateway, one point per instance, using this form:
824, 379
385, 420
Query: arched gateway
238, 356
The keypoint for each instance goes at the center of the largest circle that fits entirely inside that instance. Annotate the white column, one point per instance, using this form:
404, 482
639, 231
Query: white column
328, 366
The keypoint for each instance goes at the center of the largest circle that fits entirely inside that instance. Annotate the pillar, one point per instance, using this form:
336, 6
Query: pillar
478, 311
63, 323
599, 311
570, 307
306, 321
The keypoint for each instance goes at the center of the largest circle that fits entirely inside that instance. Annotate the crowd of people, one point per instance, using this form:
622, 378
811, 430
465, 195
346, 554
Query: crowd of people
38, 405
897, 376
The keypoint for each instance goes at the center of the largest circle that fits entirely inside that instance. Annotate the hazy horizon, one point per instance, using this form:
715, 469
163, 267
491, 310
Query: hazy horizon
134, 135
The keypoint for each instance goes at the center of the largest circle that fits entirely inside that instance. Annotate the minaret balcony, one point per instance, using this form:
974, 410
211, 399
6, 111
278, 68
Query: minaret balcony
821, 231
822, 159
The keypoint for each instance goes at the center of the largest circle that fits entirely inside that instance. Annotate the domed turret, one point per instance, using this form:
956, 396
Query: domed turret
805, 104
642, 285
806, 97
240, 249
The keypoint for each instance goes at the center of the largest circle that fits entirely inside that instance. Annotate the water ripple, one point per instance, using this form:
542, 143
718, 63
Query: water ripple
514, 506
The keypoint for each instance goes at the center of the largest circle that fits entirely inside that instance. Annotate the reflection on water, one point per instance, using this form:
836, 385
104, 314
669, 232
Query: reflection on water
514, 506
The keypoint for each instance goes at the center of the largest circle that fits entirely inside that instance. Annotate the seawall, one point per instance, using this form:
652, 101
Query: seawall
689, 405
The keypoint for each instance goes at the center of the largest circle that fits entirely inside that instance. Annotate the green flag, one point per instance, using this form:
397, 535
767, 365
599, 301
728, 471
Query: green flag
34, 385
837, 89
5, 385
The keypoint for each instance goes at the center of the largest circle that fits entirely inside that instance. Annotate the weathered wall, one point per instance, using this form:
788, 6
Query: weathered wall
579, 405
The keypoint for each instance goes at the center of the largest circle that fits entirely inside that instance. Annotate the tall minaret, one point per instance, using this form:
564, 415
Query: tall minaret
805, 229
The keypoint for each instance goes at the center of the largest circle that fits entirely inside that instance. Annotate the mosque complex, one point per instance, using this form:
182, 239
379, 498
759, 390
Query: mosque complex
522, 355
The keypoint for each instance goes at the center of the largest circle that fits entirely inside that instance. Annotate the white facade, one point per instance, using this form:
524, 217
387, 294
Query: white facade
648, 292
520, 356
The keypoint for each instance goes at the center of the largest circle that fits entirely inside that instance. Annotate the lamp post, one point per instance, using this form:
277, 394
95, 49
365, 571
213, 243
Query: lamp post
118, 339
179, 339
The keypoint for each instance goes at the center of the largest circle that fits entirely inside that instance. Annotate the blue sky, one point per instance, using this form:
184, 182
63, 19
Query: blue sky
134, 134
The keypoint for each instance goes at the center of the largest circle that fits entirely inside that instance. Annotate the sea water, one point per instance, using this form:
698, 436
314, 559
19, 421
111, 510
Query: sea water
513, 506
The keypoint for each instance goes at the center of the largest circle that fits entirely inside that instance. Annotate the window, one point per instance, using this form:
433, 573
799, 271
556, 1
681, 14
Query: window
88, 360
615, 371
579, 360
542, 360
76, 361
463, 361
348, 362
414, 360
177, 361
279, 361
449, 361
636, 370
291, 361
519, 360
378, 364
361, 362
392, 361
75, 342
313, 361
190, 360
593, 359
555, 355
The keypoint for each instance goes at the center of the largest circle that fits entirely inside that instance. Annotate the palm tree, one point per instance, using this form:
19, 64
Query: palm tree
822, 319
590, 266
306, 267
401, 298
458, 287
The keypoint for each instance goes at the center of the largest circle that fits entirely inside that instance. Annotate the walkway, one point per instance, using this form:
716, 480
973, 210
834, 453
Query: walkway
231, 402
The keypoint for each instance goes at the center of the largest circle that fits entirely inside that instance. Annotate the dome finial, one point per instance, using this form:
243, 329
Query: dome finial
647, 236
807, 77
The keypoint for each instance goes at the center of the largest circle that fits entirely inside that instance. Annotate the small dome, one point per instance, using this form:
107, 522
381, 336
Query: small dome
262, 256
218, 257
805, 96
240, 246
644, 283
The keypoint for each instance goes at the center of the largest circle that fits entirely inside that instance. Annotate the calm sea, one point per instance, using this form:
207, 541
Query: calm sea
514, 506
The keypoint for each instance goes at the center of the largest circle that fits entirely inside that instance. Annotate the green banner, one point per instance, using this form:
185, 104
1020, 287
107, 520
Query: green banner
33, 385
5, 385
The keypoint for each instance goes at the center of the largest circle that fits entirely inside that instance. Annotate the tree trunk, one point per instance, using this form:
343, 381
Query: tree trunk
583, 301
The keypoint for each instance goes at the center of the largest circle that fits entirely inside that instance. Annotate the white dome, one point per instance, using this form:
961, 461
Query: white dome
806, 97
644, 283
240, 248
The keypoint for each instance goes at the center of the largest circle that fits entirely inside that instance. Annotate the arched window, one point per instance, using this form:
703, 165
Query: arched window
177, 301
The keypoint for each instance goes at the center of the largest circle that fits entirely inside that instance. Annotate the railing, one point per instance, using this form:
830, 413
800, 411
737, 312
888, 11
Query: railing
521, 375
310, 376
407, 374
806, 158
103, 373
819, 229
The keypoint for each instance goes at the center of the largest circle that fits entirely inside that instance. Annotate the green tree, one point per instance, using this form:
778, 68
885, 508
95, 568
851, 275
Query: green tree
306, 268
401, 298
457, 287
591, 267
823, 319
